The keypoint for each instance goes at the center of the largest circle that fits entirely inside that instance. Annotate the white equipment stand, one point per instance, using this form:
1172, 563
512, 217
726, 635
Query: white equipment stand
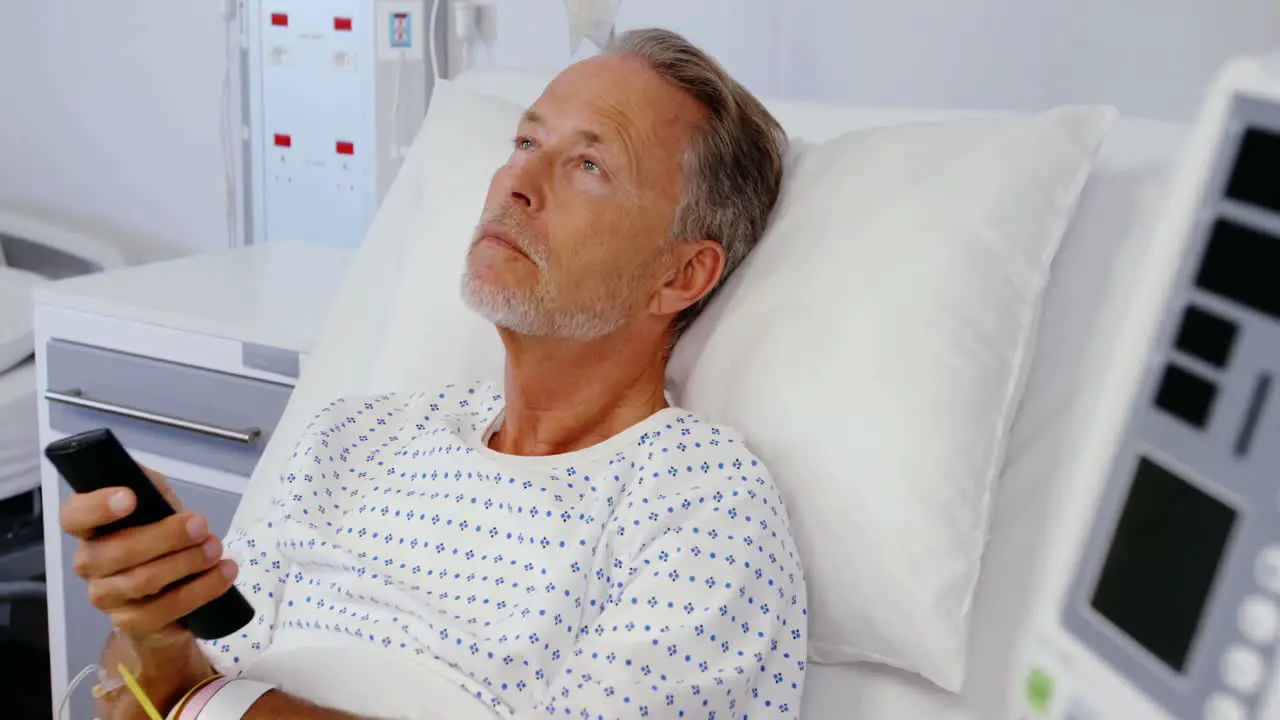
335, 94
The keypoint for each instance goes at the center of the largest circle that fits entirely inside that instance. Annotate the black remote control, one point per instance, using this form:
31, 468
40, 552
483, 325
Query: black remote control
94, 460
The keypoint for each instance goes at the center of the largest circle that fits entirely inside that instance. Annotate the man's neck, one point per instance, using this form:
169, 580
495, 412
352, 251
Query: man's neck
563, 396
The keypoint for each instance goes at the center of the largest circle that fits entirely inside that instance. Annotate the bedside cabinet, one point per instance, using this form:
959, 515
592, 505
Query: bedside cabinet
191, 364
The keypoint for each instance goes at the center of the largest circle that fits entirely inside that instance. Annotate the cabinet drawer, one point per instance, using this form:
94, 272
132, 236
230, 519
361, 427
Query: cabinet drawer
201, 416
87, 628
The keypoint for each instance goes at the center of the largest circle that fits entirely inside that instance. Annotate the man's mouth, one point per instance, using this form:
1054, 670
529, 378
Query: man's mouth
495, 234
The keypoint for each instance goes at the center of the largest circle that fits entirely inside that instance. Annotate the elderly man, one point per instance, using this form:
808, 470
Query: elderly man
569, 545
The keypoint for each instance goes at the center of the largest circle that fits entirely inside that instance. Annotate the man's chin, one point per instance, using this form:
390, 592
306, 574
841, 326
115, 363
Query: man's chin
484, 282
494, 302
509, 311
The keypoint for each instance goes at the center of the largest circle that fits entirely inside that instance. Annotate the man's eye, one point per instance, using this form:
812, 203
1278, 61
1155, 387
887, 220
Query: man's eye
524, 143
590, 166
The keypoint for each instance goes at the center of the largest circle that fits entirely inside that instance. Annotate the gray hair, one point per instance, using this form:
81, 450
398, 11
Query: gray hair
733, 167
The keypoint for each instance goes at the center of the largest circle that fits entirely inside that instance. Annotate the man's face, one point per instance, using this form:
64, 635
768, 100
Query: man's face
575, 235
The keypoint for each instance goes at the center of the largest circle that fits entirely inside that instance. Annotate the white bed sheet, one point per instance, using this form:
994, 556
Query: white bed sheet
19, 431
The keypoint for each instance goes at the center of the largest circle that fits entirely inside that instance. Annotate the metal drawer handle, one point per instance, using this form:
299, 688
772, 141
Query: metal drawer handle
75, 397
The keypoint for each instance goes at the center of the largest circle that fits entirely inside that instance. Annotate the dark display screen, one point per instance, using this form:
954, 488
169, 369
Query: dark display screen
1255, 178
1242, 264
1162, 562
1185, 395
1206, 335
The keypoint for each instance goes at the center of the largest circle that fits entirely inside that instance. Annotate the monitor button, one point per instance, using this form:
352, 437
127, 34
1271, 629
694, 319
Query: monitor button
1267, 569
1225, 707
1242, 668
1259, 620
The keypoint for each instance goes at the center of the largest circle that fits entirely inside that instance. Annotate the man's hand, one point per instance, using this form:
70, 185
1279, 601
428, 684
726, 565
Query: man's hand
138, 576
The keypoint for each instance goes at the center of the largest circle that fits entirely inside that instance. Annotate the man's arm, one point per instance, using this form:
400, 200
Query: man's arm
169, 664
172, 665
705, 616
146, 578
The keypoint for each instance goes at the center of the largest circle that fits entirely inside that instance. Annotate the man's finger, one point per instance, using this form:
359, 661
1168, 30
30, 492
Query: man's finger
131, 547
83, 513
115, 591
148, 616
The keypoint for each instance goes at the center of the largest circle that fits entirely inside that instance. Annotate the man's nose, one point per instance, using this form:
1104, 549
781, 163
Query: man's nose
522, 198
527, 184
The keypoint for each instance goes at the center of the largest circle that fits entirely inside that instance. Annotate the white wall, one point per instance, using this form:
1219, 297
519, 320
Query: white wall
1149, 57
110, 110
535, 33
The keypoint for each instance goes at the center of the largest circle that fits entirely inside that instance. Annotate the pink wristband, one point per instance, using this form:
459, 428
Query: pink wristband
192, 709
232, 700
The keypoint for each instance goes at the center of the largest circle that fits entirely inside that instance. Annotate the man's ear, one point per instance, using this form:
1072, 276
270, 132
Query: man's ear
695, 268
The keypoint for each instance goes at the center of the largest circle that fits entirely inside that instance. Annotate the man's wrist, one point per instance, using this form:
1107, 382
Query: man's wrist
170, 665
166, 665
172, 637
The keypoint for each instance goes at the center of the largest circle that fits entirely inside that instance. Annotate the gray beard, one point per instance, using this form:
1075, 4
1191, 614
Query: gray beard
531, 314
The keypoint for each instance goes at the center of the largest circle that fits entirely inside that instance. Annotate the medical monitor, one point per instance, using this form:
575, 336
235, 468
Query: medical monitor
1171, 607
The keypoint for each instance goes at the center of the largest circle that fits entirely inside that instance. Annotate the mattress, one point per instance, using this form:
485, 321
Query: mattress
19, 431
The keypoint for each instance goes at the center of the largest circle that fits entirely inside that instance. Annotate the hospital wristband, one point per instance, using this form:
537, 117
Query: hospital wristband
192, 707
227, 701
176, 712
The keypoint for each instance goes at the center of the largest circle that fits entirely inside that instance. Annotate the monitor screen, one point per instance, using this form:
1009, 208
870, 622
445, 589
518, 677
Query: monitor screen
1162, 562
1240, 264
1255, 178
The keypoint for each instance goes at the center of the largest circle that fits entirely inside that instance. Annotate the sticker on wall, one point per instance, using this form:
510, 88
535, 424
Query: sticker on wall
400, 35
401, 30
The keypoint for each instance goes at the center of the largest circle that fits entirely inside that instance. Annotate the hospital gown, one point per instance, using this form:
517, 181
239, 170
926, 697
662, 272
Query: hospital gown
652, 575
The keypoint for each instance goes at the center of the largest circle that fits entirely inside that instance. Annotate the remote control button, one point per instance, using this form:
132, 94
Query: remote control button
1259, 620
1267, 569
1242, 669
1225, 707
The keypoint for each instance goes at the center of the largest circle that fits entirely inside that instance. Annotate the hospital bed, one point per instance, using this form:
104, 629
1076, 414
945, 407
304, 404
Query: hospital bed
1048, 444
40, 247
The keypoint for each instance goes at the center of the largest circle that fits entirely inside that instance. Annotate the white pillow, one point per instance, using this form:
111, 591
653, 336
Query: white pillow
16, 339
872, 348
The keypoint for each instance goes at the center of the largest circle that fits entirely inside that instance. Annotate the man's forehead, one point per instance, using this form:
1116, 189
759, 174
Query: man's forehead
622, 89
604, 71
